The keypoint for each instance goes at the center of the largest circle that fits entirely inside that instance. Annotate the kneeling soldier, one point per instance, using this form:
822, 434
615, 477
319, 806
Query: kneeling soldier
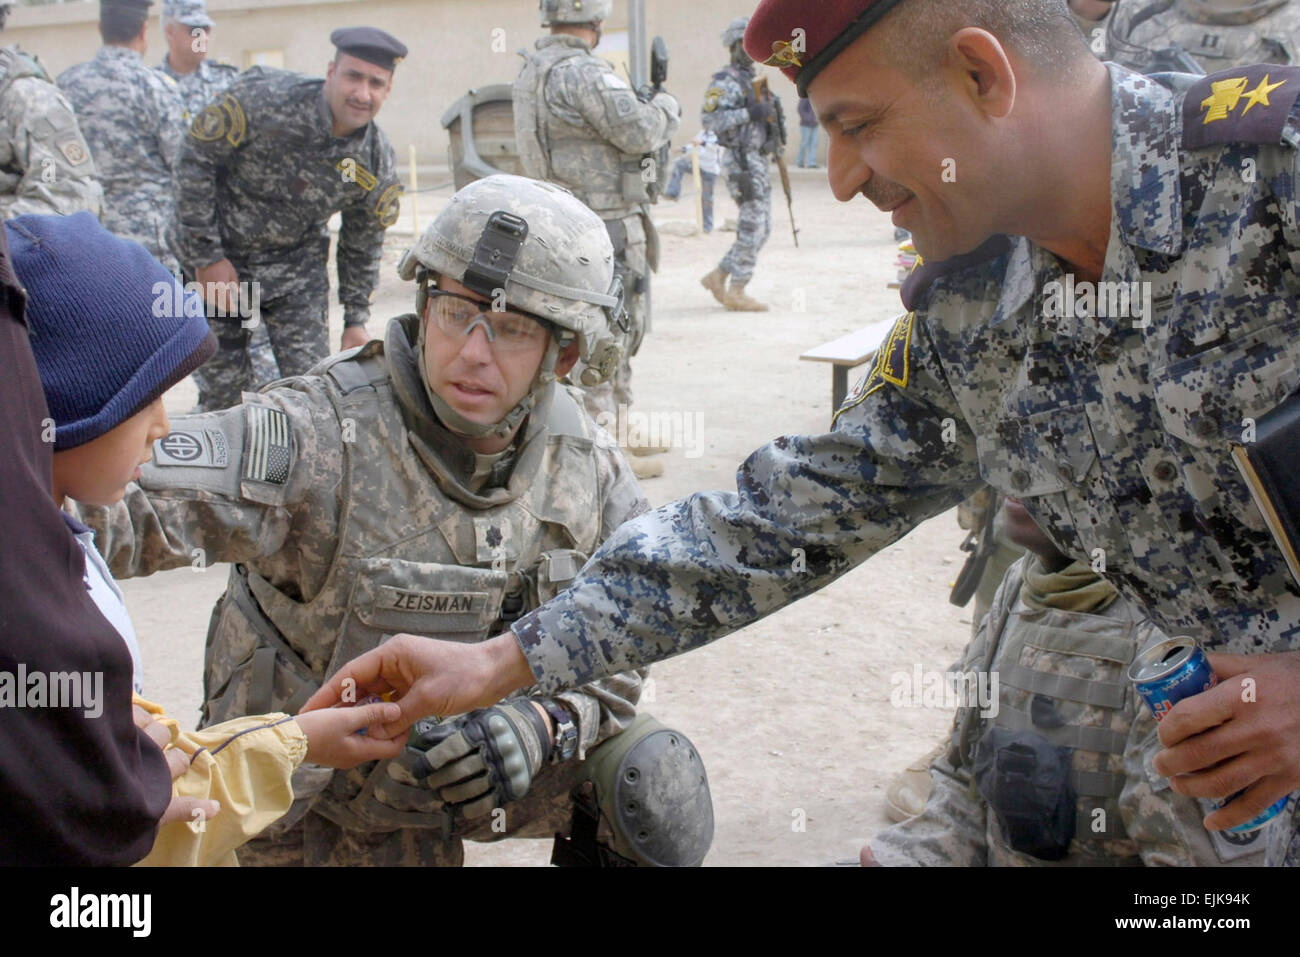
440, 482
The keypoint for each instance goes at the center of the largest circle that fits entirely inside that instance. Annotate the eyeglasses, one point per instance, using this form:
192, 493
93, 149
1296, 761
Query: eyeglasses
458, 316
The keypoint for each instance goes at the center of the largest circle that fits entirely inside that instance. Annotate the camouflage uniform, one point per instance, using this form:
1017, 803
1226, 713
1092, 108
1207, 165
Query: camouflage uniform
131, 117
45, 165
1060, 645
261, 174
579, 124
329, 567
1114, 436
201, 87
1217, 35
745, 166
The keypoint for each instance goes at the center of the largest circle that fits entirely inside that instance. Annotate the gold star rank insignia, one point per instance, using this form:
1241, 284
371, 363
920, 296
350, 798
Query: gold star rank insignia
1259, 95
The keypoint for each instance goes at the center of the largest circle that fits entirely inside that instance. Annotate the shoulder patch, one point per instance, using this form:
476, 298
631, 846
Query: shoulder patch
74, 151
711, 97
192, 448
224, 120
613, 81
354, 172
389, 206
269, 451
924, 273
1247, 105
893, 365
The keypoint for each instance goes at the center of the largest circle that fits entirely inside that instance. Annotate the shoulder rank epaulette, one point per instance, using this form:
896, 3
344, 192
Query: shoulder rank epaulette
925, 272
1247, 105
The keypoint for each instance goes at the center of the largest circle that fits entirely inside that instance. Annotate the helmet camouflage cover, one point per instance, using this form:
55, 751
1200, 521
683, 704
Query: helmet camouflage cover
563, 271
575, 11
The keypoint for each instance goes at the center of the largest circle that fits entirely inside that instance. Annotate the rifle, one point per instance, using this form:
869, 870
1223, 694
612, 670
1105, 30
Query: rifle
776, 135
658, 76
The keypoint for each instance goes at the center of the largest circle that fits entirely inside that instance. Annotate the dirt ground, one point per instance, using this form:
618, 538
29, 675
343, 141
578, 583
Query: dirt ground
792, 715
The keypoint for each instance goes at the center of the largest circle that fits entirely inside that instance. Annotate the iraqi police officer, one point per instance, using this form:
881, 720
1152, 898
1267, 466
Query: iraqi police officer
579, 124
1112, 420
439, 482
187, 29
132, 118
262, 170
45, 164
734, 112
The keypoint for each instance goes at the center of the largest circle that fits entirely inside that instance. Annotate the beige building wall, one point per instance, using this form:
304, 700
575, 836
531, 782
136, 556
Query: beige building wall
455, 45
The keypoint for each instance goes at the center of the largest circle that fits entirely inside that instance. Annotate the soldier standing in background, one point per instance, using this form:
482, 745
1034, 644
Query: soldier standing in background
1217, 34
187, 27
441, 480
579, 124
733, 111
45, 164
262, 170
132, 119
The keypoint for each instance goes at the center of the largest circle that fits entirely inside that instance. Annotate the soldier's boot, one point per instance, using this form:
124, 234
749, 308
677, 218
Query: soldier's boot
643, 801
716, 283
738, 301
910, 789
644, 468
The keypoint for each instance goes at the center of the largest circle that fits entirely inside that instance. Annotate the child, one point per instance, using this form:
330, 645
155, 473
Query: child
108, 344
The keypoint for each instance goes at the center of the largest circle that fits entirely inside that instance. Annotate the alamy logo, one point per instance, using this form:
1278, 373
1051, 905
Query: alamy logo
53, 689
1112, 300
75, 909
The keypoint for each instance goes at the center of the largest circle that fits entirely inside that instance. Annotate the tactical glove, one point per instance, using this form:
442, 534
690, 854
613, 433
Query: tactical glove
481, 760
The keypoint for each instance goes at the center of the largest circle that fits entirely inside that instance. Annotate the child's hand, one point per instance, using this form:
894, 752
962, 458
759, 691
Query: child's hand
332, 738
180, 808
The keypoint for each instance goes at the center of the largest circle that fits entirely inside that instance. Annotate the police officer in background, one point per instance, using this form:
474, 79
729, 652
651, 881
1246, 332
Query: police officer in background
132, 117
262, 170
473, 487
45, 164
733, 111
187, 29
579, 124
1217, 34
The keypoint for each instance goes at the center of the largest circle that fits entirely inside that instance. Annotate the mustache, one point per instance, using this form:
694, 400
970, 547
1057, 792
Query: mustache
885, 194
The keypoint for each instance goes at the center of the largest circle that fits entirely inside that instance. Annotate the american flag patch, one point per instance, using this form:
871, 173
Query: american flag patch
270, 447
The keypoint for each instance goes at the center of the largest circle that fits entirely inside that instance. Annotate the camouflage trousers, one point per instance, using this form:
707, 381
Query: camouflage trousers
617, 390
316, 841
751, 188
294, 309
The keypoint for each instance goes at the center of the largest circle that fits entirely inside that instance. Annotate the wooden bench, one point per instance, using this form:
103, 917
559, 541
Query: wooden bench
847, 352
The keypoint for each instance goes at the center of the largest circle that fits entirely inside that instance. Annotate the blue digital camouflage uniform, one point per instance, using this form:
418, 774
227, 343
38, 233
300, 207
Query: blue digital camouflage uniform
261, 174
131, 118
199, 88
725, 113
1115, 434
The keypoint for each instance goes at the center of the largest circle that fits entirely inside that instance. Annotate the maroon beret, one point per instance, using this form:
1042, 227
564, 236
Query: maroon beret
802, 37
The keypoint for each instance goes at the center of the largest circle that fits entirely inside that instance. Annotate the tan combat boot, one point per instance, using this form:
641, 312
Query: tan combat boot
644, 468
910, 789
716, 283
737, 301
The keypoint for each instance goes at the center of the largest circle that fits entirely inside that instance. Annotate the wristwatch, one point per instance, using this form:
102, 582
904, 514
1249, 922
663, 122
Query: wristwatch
566, 731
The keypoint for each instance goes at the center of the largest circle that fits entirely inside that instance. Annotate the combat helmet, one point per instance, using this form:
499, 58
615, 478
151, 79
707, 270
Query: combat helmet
575, 11
735, 32
536, 247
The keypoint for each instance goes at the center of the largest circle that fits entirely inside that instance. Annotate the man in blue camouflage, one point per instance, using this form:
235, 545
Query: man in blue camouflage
1112, 419
734, 112
131, 117
187, 27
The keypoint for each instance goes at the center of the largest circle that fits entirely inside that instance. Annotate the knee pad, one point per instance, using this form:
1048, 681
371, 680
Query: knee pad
648, 787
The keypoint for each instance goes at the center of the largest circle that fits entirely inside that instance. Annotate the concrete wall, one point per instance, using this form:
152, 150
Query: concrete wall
455, 45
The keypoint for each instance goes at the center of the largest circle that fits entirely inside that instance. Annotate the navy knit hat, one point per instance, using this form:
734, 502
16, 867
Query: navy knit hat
111, 328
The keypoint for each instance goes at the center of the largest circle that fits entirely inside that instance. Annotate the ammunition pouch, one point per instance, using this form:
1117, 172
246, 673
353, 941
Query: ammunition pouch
1026, 782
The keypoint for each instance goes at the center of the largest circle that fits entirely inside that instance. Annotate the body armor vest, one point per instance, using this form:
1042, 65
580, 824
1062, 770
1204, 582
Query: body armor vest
415, 553
1062, 678
559, 150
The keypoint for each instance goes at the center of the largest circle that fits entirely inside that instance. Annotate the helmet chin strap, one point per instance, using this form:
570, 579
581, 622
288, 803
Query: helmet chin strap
510, 424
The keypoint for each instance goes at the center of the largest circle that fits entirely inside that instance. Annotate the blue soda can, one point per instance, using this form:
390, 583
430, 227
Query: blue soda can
1169, 671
